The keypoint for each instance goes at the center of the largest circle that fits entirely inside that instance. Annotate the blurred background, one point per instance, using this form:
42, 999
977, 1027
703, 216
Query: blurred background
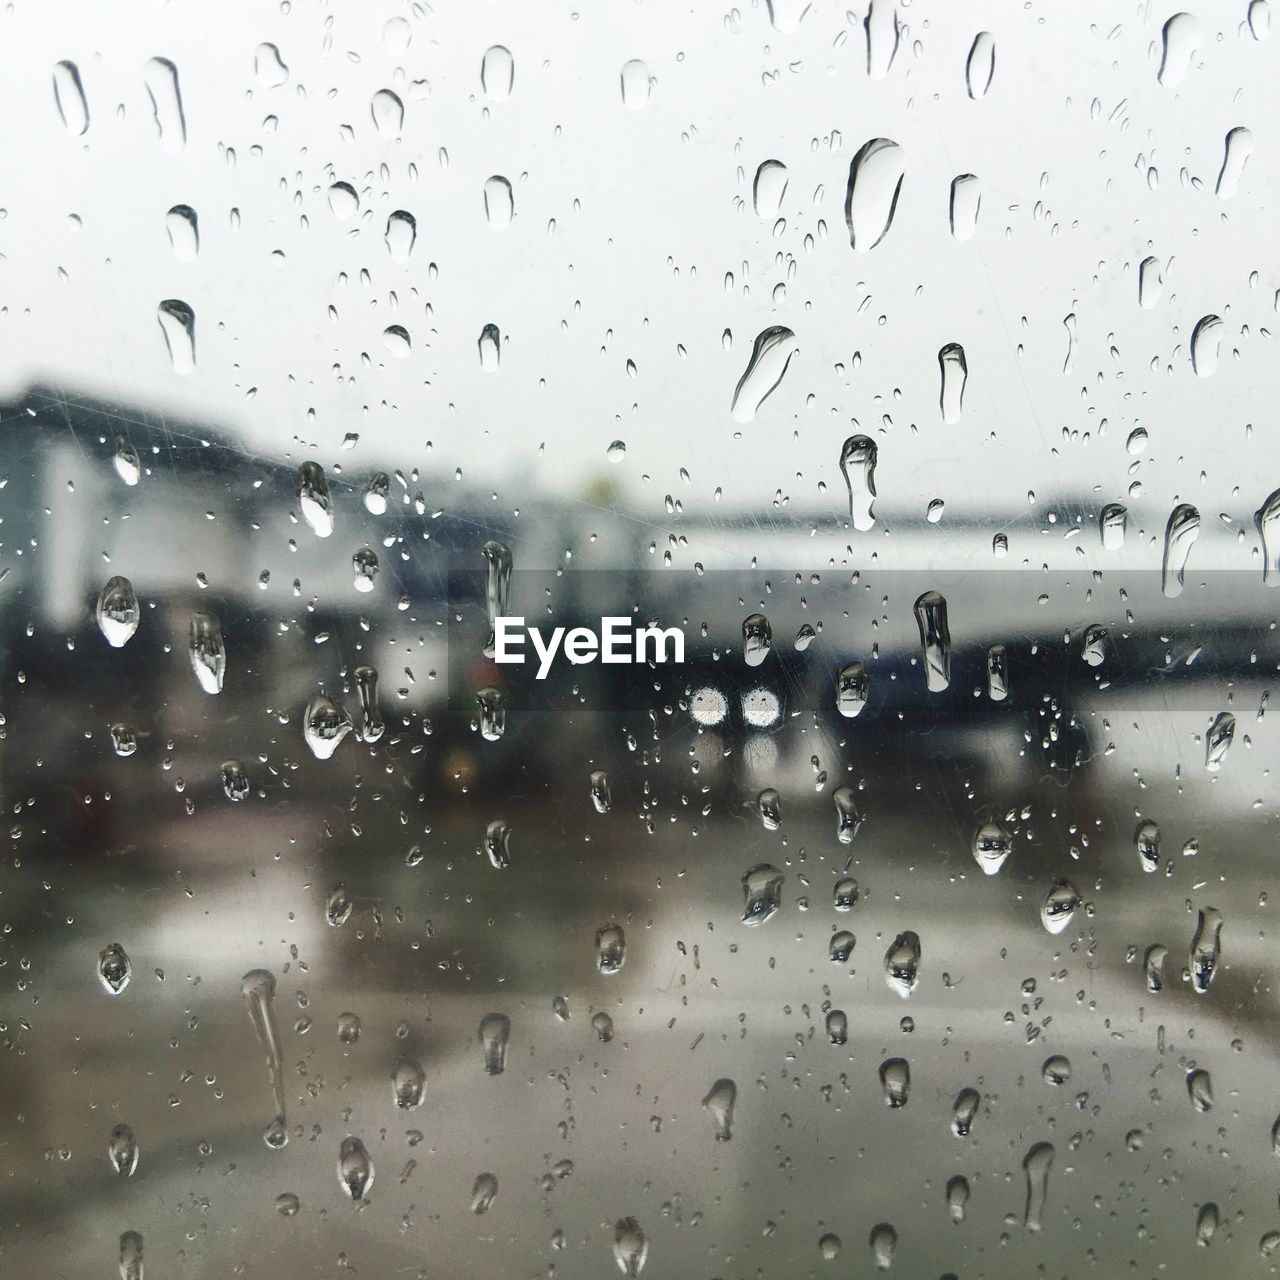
913, 360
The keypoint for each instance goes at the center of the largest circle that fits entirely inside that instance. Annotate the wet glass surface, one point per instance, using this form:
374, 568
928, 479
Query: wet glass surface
902, 371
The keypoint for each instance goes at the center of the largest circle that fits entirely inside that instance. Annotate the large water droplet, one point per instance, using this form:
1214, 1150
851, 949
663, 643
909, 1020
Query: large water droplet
769, 807
131, 1256
841, 946
1036, 1165
963, 1111
258, 990
762, 893
1236, 150
495, 1031
483, 1193
1259, 19
853, 685
183, 227
1111, 526
178, 325
401, 235
848, 817
313, 498
269, 66
497, 844
770, 357
895, 1081
1150, 283
1146, 840
68, 94
635, 85
161, 78
902, 964
1059, 906
837, 1026
126, 462
117, 612
883, 1241
497, 73
408, 1080
601, 797
980, 65
122, 1150
965, 205
364, 567
207, 651
630, 1246
844, 894
497, 586
492, 705
387, 111
376, 493
719, 1103
954, 374
325, 723
768, 189
871, 197
1056, 1070
1153, 967
114, 969
499, 204
992, 844
935, 640
371, 726
997, 673
1179, 40
1206, 344
858, 458
1200, 1090
882, 31
490, 345
1179, 537
611, 949
355, 1169
1267, 521
235, 782
957, 1197
344, 201
1206, 1224
1206, 950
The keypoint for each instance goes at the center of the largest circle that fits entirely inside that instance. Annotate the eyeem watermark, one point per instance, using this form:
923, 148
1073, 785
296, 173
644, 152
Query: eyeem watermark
617, 641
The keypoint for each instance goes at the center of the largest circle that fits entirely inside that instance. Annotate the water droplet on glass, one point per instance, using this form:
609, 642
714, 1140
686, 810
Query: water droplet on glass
131, 1256
375, 493
935, 640
483, 1193
114, 969
497, 844
992, 844
883, 1241
1267, 521
258, 990
871, 197
122, 1150
1093, 647
770, 357
364, 565
387, 111
287, 1204
490, 345
355, 1169
1237, 147
68, 94
497, 586
997, 673
762, 893
719, 1102
1036, 1165
343, 201
401, 235
492, 704
269, 66
1056, 1070
902, 964
757, 639
1200, 1090
957, 1197
183, 227
954, 372
1179, 537
963, 1112
616, 451
965, 204
161, 78
495, 1030
630, 1247
371, 726
235, 782
178, 325
313, 498
1111, 525
338, 906
980, 66
844, 896
499, 204
841, 946
1150, 283
611, 948
602, 1024
858, 465
1206, 344
348, 1028
1206, 949
1178, 43
1153, 967
837, 1026
117, 612
769, 807
895, 1080
1059, 906
853, 685
208, 651
126, 462
882, 30
397, 340
769, 188
1146, 840
848, 817
497, 73
600, 795
124, 740
635, 85
408, 1081
1259, 19
829, 1247
324, 725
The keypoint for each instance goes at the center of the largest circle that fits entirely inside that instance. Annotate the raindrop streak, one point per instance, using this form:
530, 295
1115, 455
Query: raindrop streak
1146, 840
1059, 906
235, 782
68, 94
611, 949
935, 640
117, 612
493, 713
355, 1169
630, 1246
601, 797
902, 964
1267, 521
1179, 537
992, 844
1150, 283
1200, 1090
183, 226
895, 1080
483, 1193
1153, 967
114, 969
388, 113
1236, 150
313, 498
770, 357
269, 66
954, 371
122, 1150
882, 31
883, 1241
495, 1030
161, 78
371, 726
602, 1024
963, 1112
1179, 41
966, 202
131, 1256
1111, 526
497, 586
762, 893
848, 818
401, 235
858, 458
258, 988
1218, 741
852, 688
497, 73
769, 807
497, 844
997, 673
980, 65
635, 85
875, 180
719, 1103
324, 725
769, 188
499, 205
207, 651
757, 639
490, 346
1206, 950
1206, 343
1036, 1165
408, 1081
178, 325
